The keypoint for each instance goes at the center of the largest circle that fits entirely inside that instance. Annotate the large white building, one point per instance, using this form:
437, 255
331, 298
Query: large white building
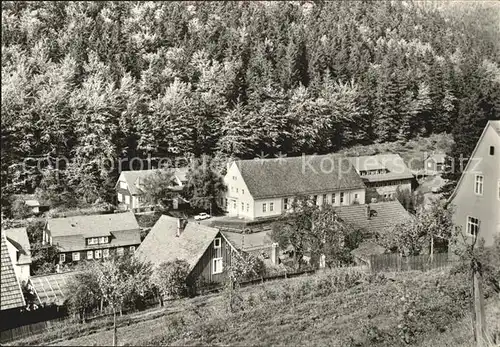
266, 188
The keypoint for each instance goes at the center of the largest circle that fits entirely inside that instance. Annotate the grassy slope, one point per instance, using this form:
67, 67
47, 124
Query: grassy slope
323, 309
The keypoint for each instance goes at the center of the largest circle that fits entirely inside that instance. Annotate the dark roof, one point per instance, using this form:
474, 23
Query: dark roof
383, 216
298, 175
132, 176
69, 233
247, 242
162, 244
18, 237
392, 162
11, 293
52, 288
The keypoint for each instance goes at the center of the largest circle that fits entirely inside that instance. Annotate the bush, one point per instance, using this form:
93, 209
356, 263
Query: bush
171, 278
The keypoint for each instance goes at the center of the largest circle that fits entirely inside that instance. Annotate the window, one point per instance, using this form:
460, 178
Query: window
315, 199
90, 254
62, 258
93, 241
120, 197
324, 199
103, 239
472, 226
492, 150
236, 190
478, 186
131, 249
342, 197
333, 198
235, 178
75, 256
285, 204
119, 251
271, 206
123, 185
97, 254
356, 196
234, 205
127, 199
216, 266
105, 253
217, 243
243, 191
248, 207
242, 206
264, 207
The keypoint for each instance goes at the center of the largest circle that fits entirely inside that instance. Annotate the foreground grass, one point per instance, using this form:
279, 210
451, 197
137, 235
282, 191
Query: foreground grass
337, 308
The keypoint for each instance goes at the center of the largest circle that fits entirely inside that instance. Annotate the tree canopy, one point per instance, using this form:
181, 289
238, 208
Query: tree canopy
86, 84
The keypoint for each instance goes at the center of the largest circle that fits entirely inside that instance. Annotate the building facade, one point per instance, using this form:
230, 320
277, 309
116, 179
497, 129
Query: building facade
384, 174
476, 197
19, 249
128, 187
266, 188
93, 236
204, 248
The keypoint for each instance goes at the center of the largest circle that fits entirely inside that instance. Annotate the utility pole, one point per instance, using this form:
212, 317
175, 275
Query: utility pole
479, 323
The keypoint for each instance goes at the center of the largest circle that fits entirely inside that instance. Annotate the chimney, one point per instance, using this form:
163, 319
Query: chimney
275, 253
368, 211
180, 227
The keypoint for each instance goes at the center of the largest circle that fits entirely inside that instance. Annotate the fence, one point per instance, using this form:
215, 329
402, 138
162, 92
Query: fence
395, 262
40, 327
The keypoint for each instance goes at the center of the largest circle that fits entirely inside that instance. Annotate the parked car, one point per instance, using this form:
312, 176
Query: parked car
202, 216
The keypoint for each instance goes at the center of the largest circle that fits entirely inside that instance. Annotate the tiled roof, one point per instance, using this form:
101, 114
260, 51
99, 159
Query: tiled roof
52, 288
437, 157
163, 245
392, 162
132, 176
298, 175
69, 233
384, 216
18, 237
92, 225
251, 241
11, 293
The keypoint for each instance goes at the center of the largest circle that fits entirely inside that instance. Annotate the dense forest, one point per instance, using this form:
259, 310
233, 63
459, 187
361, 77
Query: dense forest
96, 82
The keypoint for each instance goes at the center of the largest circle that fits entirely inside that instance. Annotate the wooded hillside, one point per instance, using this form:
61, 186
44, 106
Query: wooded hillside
92, 81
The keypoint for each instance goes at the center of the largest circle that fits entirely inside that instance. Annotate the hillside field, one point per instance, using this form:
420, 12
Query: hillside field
335, 308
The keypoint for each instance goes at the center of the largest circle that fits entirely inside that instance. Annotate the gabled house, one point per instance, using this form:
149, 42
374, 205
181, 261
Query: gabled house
12, 298
128, 186
476, 197
205, 249
435, 163
93, 236
259, 189
384, 173
19, 249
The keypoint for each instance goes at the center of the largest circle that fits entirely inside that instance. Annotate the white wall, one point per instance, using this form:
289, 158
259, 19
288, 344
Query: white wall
237, 192
485, 207
22, 271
